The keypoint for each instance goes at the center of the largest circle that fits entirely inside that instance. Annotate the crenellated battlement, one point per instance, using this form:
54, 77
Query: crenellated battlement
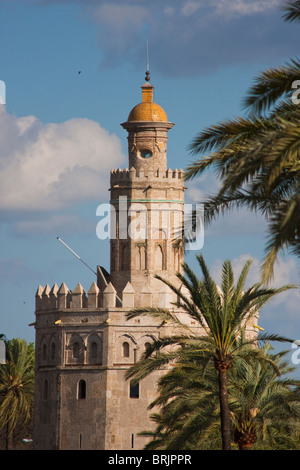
61, 298
118, 175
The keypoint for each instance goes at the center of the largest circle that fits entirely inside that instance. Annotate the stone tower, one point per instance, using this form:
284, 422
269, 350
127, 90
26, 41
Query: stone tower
84, 343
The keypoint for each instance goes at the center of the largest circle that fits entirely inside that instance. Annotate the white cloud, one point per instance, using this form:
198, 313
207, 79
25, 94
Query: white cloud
52, 166
188, 37
199, 189
285, 270
228, 31
244, 7
120, 28
189, 8
235, 222
118, 15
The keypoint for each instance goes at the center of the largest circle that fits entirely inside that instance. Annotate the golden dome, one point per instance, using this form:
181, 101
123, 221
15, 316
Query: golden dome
147, 110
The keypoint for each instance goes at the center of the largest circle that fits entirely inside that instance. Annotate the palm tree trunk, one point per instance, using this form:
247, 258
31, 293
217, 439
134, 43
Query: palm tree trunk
8, 437
224, 408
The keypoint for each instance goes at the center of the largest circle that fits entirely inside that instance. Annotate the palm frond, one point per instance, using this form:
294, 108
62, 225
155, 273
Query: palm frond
271, 85
292, 11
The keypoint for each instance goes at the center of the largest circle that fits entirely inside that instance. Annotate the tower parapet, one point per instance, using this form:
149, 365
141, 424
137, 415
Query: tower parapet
118, 175
62, 298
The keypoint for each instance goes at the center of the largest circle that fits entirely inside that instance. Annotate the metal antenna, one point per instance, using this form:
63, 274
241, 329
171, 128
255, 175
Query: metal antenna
147, 55
77, 256
147, 72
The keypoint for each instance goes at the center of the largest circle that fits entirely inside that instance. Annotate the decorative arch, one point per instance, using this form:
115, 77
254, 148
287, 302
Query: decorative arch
52, 350
125, 349
140, 256
159, 257
75, 350
144, 343
94, 349
44, 350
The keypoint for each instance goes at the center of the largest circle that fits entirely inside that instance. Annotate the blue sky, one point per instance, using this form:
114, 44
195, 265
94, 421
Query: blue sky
60, 130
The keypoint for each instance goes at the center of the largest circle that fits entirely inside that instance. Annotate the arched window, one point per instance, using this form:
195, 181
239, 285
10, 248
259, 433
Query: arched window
94, 349
125, 347
76, 350
159, 258
147, 346
140, 257
46, 389
81, 392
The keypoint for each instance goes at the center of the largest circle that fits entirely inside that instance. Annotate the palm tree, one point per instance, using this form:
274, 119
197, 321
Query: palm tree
189, 415
257, 157
264, 407
16, 386
222, 313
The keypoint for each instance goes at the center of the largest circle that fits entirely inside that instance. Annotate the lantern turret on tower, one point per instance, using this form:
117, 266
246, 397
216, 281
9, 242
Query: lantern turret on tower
149, 201
147, 127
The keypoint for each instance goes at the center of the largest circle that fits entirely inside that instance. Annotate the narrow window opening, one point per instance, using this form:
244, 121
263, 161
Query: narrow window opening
134, 390
132, 441
125, 349
81, 390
